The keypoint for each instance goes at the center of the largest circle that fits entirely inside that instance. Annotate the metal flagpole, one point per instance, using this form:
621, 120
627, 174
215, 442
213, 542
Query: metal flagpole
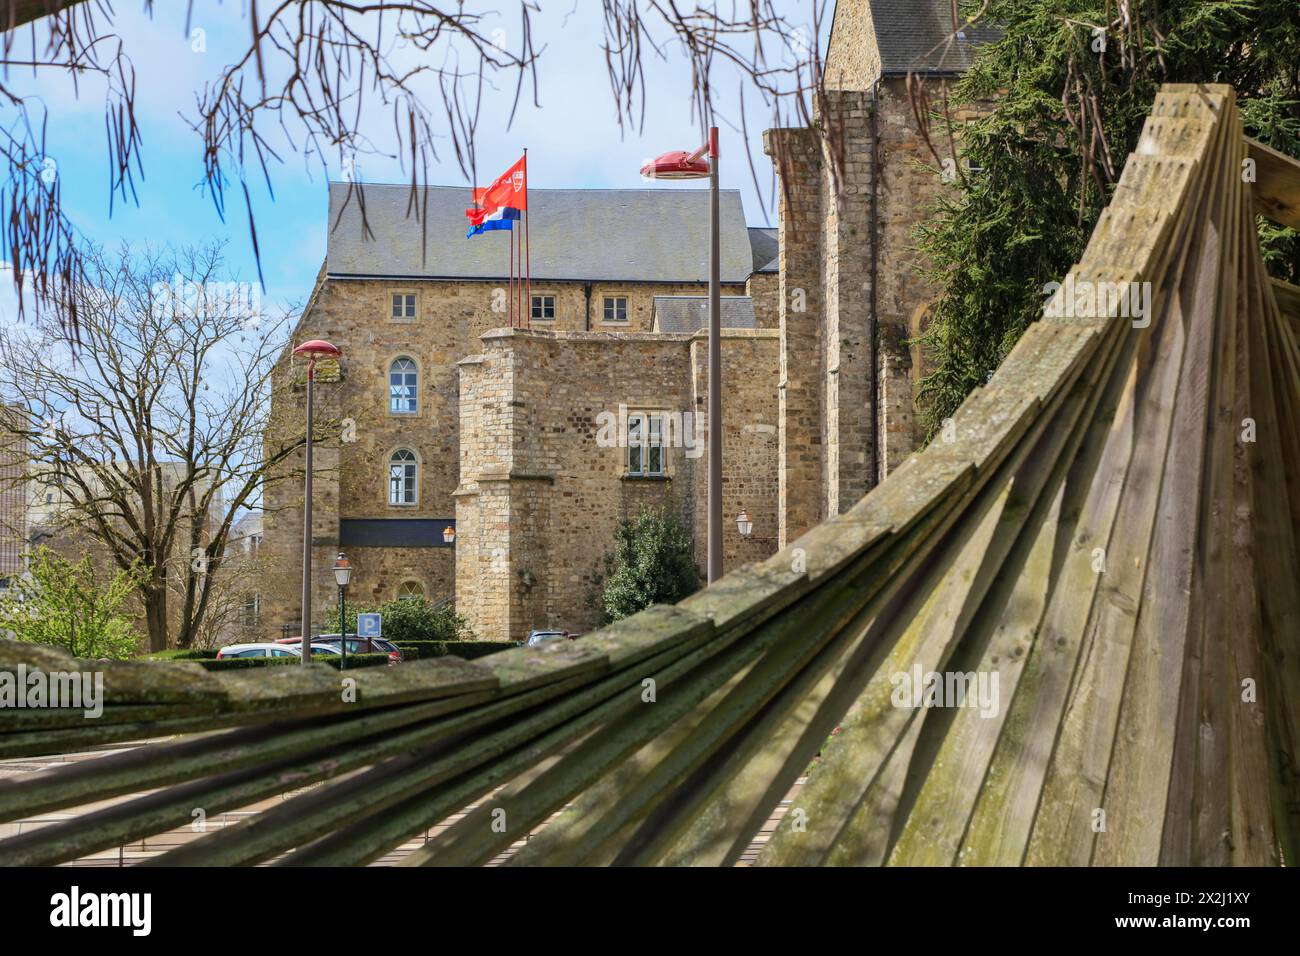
715, 367
528, 298
510, 286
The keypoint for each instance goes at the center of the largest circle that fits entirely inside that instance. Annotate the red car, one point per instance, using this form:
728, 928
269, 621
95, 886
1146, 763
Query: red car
356, 645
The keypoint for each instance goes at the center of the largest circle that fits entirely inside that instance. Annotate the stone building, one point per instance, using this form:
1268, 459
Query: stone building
443, 419
851, 293
525, 443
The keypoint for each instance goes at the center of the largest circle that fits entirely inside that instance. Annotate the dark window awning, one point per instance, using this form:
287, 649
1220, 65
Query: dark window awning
394, 532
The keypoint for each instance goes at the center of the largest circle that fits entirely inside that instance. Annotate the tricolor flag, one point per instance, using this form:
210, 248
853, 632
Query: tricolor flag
504, 218
499, 205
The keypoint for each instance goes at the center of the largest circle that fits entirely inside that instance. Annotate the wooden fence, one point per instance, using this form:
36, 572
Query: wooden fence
1104, 539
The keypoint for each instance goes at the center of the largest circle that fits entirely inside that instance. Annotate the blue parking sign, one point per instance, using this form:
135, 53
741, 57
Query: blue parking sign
368, 625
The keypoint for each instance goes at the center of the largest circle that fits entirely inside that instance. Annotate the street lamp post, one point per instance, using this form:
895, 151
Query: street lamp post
682, 165
313, 350
343, 574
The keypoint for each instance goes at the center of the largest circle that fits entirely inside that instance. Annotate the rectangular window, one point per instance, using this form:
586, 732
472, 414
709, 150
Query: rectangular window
403, 392
252, 610
403, 306
615, 308
645, 445
401, 482
543, 308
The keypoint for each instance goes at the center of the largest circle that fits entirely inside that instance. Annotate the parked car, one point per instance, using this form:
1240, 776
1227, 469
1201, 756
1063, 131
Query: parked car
356, 645
296, 650
546, 637
267, 649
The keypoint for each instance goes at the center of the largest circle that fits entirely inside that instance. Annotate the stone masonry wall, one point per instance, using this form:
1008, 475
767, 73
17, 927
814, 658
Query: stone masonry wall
541, 496
909, 185
351, 475
846, 259
801, 494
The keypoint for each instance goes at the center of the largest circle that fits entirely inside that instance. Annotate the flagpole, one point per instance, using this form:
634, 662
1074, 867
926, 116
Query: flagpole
511, 280
529, 244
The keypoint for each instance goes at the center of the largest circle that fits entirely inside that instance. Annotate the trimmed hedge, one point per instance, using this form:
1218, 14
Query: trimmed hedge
182, 654
241, 663
354, 660
329, 660
425, 650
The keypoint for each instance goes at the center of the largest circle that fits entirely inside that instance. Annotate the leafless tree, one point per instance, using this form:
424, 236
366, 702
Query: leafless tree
149, 440
312, 68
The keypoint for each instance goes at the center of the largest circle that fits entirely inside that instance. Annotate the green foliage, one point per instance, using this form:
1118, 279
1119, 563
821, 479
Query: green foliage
182, 654
244, 663
71, 606
1023, 218
653, 563
406, 619
426, 650
354, 660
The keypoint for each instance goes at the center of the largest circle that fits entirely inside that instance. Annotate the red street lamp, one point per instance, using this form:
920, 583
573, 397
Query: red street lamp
678, 164
683, 165
313, 350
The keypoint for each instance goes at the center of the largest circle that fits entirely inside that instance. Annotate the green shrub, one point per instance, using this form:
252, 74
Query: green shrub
653, 563
426, 650
355, 661
408, 619
77, 606
182, 654
242, 663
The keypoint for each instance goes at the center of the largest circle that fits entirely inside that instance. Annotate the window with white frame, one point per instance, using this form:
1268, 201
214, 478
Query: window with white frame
403, 477
402, 306
403, 387
543, 309
410, 590
252, 610
645, 444
615, 308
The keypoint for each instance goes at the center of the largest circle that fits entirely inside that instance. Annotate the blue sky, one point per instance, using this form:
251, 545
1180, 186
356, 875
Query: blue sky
573, 138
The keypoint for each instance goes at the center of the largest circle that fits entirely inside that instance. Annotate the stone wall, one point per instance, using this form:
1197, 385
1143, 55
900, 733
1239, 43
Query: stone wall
853, 61
543, 488
846, 278
801, 493
359, 434
910, 183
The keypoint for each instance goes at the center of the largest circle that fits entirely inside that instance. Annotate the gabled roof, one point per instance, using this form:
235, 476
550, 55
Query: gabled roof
916, 35
909, 36
690, 313
767, 249
631, 235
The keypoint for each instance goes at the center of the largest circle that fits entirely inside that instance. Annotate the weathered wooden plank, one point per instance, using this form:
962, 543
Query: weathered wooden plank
1277, 184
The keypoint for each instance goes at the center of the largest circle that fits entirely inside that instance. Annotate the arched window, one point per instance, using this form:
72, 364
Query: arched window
410, 589
403, 477
403, 387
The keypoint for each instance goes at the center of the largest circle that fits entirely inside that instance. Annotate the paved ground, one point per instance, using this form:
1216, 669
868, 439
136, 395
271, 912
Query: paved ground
144, 849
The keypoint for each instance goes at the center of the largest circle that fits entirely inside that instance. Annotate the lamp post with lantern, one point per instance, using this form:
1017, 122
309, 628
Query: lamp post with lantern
683, 165
313, 350
342, 575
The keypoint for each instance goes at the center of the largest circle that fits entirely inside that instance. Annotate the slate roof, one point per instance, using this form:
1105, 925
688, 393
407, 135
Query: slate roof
690, 313
913, 36
647, 235
767, 249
